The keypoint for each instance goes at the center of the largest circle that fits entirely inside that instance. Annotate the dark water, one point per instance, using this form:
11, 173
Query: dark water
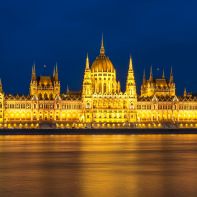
91, 166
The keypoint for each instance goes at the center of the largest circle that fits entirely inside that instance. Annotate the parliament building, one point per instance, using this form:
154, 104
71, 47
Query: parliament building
101, 103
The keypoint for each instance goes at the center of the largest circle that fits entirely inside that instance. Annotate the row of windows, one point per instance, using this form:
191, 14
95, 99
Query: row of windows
143, 106
110, 116
170, 107
109, 79
165, 107
188, 107
45, 87
18, 106
41, 106
45, 106
69, 106
105, 74
78, 106
105, 111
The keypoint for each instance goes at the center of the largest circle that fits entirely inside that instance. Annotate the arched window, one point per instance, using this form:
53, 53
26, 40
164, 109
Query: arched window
51, 96
40, 96
45, 96
104, 87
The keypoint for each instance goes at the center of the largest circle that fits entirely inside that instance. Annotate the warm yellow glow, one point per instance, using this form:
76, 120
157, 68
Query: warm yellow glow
101, 103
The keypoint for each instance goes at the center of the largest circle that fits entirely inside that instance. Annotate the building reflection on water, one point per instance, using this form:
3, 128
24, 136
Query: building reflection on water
107, 165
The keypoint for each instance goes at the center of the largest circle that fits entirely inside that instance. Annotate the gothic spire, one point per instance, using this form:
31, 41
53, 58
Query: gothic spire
1, 86
163, 74
185, 92
33, 75
144, 77
67, 89
171, 76
130, 83
130, 63
56, 68
56, 72
151, 74
87, 62
102, 50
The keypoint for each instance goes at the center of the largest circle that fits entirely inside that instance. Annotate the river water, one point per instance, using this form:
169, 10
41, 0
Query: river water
98, 165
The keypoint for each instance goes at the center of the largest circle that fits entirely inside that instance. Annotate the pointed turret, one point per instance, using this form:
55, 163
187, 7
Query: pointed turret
1, 87
87, 62
87, 92
130, 84
56, 68
102, 50
131, 92
163, 74
119, 88
151, 74
33, 74
33, 84
130, 75
144, 77
67, 89
87, 80
172, 84
171, 76
130, 63
56, 73
185, 92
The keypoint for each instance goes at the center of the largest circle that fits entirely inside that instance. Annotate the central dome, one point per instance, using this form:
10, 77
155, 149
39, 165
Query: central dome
102, 63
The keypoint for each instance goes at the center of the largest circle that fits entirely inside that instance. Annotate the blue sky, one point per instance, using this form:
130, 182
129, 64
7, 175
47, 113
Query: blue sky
157, 33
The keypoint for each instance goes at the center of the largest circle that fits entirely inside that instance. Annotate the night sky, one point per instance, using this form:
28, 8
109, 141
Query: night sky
159, 33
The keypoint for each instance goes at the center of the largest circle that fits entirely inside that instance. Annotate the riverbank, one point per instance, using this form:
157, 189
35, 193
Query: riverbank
96, 131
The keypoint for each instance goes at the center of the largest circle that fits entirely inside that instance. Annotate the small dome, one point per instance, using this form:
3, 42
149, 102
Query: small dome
102, 64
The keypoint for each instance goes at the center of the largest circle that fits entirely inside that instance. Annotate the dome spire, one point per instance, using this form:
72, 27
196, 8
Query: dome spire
102, 50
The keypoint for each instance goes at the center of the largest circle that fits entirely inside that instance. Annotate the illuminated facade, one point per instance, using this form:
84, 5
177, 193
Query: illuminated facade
101, 103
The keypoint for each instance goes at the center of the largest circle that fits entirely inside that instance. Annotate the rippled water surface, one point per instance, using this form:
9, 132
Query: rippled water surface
93, 165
